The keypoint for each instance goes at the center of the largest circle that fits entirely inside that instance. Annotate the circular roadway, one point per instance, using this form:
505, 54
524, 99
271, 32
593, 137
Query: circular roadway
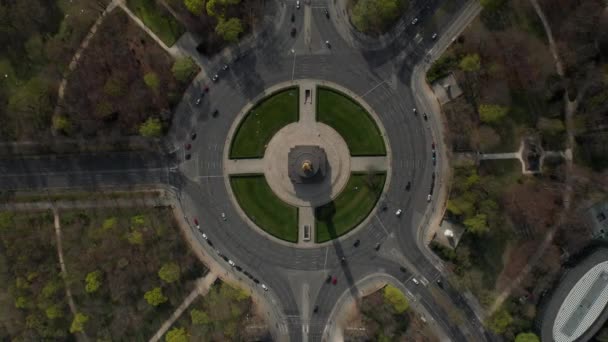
382, 79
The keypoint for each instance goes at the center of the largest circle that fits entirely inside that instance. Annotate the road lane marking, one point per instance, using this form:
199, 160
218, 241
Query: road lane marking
326, 252
376, 86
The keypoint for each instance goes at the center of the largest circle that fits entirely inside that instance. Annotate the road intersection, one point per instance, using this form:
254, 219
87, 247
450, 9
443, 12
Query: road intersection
382, 75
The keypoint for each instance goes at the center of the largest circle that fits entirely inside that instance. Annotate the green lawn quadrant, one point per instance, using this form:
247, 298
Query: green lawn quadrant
263, 207
161, 22
352, 121
350, 208
263, 121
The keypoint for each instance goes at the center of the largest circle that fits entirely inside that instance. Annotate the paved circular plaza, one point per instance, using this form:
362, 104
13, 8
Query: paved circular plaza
341, 185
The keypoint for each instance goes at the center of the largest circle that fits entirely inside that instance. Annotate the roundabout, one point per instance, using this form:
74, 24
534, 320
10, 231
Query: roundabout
307, 164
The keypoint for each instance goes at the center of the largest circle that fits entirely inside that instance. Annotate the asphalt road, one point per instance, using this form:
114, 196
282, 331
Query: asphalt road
296, 277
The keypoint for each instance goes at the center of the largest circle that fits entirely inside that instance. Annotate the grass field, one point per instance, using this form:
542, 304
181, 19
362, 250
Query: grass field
263, 121
264, 208
160, 21
350, 208
352, 121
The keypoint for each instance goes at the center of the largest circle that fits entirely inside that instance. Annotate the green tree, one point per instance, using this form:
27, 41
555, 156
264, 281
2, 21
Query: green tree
210, 8
169, 272
115, 86
395, 298
109, 223
184, 68
78, 323
195, 6
461, 205
135, 237
477, 224
53, 312
152, 81
92, 281
526, 337
470, 63
489, 113
22, 302
199, 317
232, 293
499, 321
229, 29
151, 128
155, 297
62, 124
376, 15
176, 335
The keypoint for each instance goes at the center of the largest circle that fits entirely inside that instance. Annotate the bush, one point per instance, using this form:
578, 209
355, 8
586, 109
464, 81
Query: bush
152, 81
155, 297
489, 113
470, 63
499, 321
169, 272
78, 323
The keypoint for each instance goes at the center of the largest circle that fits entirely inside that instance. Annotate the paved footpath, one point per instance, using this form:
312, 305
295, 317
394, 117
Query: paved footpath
202, 287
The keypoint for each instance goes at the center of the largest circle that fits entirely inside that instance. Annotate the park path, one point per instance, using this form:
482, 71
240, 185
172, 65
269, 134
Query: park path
76, 58
202, 288
64, 272
570, 109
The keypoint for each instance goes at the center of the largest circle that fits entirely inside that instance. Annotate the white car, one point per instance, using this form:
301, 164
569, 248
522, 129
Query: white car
265, 287
398, 212
231, 263
205, 236
215, 78
298, 4
415, 281
415, 21
223, 215
428, 198
434, 36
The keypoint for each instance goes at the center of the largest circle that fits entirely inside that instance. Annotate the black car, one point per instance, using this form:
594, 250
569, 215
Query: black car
403, 269
408, 186
188, 156
293, 32
357, 243
238, 268
193, 135
328, 280
326, 13
215, 113
255, 280
316, 309
209, 242
425, 117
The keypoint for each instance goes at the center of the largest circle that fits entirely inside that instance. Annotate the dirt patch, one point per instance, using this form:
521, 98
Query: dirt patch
106, 95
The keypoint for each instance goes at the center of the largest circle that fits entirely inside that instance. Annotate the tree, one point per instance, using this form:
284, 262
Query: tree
477, 224
551, 126
375, 15
489, 113
53, 312
470, 63
152, 81
527, 337
229, 29
151, 128
135, 238
109, 223
176, 335
199, 317
115, 86
155, 297
78, 323
491, 5
499, 321
195, 6
210, 7
92, 281
395, 298
184, 68
169, 272
61, 123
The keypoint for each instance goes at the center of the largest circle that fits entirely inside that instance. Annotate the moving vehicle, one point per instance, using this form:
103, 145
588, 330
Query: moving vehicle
298, 4
327, 44
215, 78
428, 198
425, 117
326, 13
434, 36
225, 67
398, 212
215, 113
357, 243
188, 147
408, 186
264, 287
415, 21
334, 280
193, 135
196, 223
223, 216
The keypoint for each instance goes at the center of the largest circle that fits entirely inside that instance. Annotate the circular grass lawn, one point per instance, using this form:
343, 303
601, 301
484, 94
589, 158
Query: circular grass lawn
263, 207
263, 121
352, 121
350, 208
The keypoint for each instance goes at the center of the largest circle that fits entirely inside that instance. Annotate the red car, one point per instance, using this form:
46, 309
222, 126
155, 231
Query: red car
188, 147
334, 280
206, 89
196, 222
433, 145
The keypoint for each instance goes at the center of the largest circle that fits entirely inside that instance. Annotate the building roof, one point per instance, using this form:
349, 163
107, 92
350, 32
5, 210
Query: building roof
577, 307
598, 218
449, 234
